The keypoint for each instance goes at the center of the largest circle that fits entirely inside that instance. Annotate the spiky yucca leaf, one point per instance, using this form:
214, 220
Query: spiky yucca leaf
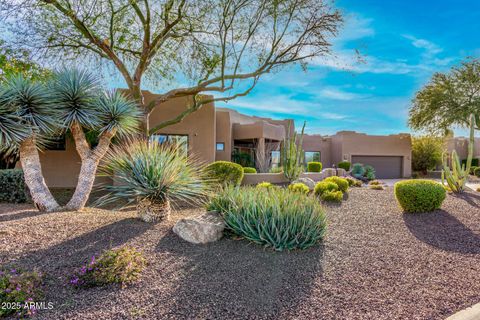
74, 92
12, 133
117, 113
30, 102
151, 171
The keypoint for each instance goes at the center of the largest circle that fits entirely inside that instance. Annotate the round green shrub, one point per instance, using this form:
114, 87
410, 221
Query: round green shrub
332, 196
375, 182
352, 182
249, 170
264, 184
225, 172
12, 186
299, 187
323, 186
314, 166
376, 187
419, 195
342, 183
276, 218
369, 172
344, 165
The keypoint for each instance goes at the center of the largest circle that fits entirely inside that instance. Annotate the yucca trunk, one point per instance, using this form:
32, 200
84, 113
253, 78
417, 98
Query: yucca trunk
90, 161
32, 169
150, 211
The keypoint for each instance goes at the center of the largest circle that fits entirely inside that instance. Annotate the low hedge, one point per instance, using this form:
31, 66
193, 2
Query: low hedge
12, 186
299, 187
418, 195
344, 165
324, 186
249, 170
314, 166
225, 172
342, 183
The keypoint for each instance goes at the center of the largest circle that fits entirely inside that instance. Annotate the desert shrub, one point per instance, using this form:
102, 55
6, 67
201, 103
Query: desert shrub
123, 265
277, 218
352, 182
369, 173
426, 152
344, 165
419, 195
332, 196
249, 170
375, 182
299, 187
376, 187
225, 172
357, 170
324, 186
314, 166
475, 162
342, 183
415, 175
265, 185
12, 186
152, 175
19, 290
476, 172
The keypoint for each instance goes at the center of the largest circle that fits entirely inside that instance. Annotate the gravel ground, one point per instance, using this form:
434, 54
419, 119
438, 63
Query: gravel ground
376, 263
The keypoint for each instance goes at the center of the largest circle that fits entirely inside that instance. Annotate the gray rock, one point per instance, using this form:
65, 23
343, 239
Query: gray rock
204, 228
306, 181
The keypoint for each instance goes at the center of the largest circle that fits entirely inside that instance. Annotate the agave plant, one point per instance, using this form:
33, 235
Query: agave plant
82, 106
26, 118
152, 175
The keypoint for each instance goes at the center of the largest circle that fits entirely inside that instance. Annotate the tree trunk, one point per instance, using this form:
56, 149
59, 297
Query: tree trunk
32, 169
150, 211
84, 186
90, 160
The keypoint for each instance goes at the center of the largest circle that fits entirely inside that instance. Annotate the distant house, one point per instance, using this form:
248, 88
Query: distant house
223, 134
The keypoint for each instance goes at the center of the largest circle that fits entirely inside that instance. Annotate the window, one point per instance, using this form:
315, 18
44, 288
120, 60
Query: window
220, 146
56, 143
312, 156
180, 139
275, 159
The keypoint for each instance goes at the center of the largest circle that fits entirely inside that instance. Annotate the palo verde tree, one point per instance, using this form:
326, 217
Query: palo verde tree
448, 100
216, 47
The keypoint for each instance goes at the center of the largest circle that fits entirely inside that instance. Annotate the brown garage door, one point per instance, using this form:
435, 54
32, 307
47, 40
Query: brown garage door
386, 167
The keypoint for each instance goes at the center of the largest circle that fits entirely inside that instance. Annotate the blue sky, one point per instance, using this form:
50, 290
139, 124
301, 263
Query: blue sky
402, 42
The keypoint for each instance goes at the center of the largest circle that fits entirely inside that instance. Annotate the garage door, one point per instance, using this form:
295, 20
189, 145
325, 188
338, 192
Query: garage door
386, 167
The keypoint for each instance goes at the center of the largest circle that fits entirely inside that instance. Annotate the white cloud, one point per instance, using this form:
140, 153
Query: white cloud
337, 94
431, 49
355, 27
333, 116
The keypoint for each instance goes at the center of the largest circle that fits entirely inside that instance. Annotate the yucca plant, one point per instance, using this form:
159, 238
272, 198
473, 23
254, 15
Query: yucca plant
83, 106
27, 116
275, 217
152, 175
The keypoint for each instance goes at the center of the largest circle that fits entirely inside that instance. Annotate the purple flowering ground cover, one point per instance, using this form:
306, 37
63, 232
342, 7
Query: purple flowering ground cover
375, 263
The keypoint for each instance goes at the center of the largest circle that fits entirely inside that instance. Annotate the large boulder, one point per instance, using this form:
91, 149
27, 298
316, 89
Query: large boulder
306, 181
341, 172
204, 228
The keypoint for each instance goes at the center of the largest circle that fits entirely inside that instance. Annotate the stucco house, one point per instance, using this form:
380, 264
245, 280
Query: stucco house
223, 134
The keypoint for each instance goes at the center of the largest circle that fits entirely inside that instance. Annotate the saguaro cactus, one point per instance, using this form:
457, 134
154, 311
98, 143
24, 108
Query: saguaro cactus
292, 155
456, 177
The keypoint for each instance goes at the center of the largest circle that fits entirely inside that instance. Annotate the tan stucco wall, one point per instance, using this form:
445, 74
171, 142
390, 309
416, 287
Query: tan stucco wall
199, 126
460, 144
223, 134
359, 144
319, 143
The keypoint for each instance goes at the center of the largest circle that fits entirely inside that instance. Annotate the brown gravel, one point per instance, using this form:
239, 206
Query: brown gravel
376, 263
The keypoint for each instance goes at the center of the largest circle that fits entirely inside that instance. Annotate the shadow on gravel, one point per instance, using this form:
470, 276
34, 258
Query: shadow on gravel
232, 279
74, 252
469, 197
18, 215
442, 230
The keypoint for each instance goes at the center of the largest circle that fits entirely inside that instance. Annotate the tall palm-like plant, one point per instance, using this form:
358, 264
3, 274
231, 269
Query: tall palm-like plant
26, 117
152, 175
83, 106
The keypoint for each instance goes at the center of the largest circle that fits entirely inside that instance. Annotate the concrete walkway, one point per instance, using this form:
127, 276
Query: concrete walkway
471, 313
